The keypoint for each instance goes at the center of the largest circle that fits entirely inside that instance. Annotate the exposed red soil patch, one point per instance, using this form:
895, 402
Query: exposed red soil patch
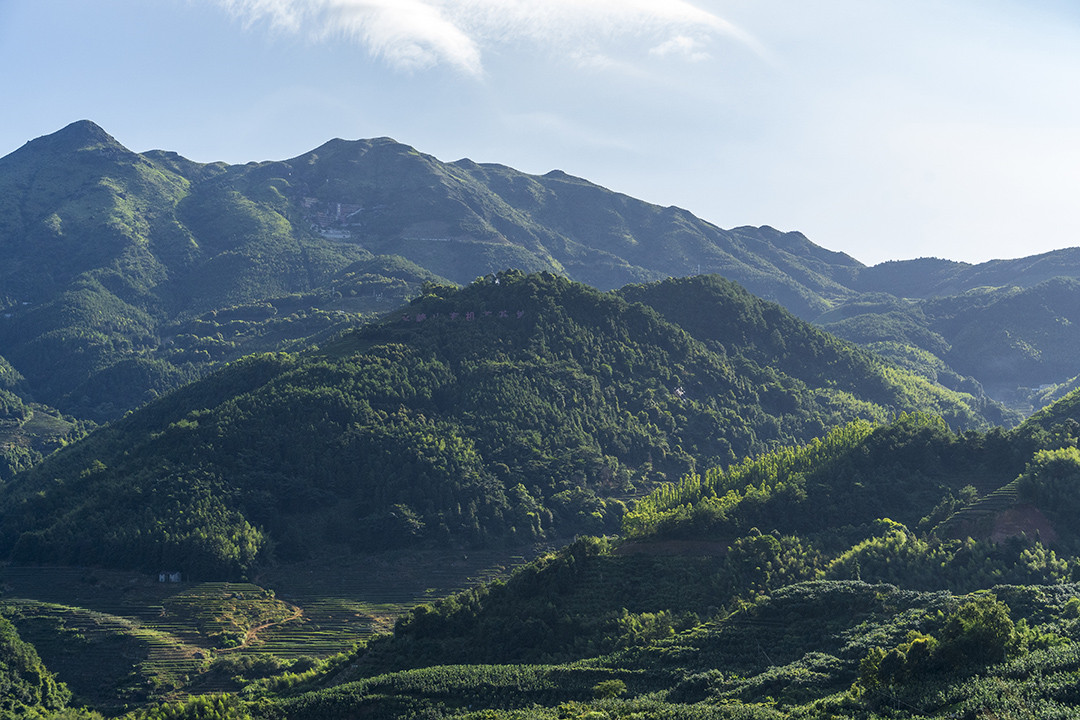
1023, 520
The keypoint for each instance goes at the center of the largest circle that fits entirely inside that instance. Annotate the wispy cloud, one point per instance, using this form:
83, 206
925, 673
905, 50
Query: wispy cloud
416, 34
682, 46
408, 34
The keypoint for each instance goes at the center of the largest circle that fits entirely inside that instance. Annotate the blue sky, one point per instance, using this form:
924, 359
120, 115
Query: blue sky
887, 130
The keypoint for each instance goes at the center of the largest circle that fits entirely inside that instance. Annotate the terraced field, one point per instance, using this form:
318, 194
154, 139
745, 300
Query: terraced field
347, 600
105, 657
113, 634
980, 512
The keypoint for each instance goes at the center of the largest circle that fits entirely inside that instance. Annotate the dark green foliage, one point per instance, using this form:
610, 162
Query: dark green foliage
852, 477
516, 409
933, 277
718, 311
204, 707
12, 408
721, 312
448, 689
813, 579
732, 626
1014, 337
27, 688
112, 253
809, 650
586, 601
834, 611
32, 431
576, 603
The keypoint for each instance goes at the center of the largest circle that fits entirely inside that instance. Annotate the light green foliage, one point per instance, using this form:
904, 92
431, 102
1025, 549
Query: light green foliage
609, 688
855, 475
978, 631
26, 686
772, 642
698, 500
795, 622
204, 707
1052, 482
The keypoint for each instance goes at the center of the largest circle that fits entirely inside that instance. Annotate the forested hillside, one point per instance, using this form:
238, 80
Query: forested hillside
26, 685
718, 312
28, 430
305, 362
1021, 343
520, 407
817, 581
127, 275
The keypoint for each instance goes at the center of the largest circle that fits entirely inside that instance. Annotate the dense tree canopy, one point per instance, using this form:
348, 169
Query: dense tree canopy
519, 408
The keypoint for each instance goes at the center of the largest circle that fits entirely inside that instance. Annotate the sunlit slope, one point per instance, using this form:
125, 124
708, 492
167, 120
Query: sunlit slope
517, 408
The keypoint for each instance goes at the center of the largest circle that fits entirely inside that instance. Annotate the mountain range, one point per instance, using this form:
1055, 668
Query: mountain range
519, 408
129, 274
796, 486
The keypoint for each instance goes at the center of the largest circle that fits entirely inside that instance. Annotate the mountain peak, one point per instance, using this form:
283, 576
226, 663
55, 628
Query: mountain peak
339, 146
79, 135
85, 128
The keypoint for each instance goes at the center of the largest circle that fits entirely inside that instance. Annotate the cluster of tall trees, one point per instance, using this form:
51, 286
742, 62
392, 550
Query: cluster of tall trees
519, 408
776, 586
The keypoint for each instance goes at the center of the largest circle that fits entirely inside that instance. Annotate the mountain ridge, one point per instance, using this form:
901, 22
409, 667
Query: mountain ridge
519, 407
119, 262
291, 372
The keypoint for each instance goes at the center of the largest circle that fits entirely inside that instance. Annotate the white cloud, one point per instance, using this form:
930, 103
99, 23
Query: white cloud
682, 46
416, 34
409, 34
283, 14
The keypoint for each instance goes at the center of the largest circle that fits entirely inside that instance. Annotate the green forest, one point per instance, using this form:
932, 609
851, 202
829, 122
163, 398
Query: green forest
128, 275
770, 588
288, 440
895, 565
520, 408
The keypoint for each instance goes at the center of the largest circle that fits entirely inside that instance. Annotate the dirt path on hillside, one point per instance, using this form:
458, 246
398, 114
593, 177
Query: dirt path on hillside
253, 633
